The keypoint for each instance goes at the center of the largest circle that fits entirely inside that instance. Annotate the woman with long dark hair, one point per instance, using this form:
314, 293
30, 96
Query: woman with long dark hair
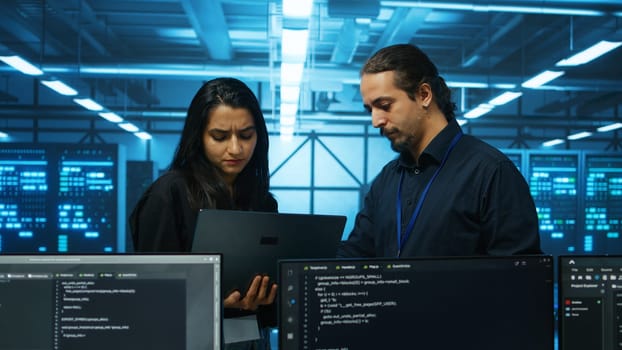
221, 162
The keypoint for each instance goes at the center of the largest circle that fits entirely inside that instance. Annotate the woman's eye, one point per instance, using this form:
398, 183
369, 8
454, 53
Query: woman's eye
246, 136
219, 138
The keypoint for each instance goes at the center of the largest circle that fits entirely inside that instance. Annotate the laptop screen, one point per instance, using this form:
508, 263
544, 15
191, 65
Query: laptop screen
590, 302
110, 302
482, 303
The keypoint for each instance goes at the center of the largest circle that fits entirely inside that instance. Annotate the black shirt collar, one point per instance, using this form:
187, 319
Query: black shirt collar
435, 151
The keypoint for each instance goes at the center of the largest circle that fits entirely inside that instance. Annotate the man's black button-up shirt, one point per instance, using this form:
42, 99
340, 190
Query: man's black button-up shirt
479, 204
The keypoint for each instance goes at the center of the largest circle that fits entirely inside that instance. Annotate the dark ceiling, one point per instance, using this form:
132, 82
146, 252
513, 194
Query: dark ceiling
144, 59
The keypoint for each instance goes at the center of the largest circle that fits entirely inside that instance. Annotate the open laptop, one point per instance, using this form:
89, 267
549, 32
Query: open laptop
156, 302
590, 302
484, 303
252, 242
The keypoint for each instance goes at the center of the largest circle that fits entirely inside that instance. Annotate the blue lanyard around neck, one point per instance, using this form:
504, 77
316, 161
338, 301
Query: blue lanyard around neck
403, 237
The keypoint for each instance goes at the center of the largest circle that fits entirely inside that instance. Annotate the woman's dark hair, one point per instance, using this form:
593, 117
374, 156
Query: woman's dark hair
412, 68
206, 186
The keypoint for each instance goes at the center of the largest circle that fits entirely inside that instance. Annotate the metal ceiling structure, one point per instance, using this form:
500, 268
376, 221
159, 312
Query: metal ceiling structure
144, 59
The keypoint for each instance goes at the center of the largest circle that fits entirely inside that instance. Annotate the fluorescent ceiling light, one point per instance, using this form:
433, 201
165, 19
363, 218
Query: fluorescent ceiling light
290, 93
505, 98
88, 104
542, 78
609, 127
476, 85
553, 142
539, 10
297, 8
128, 127
3, 135
294, 45
331, 117
461, 122
60, 87
250, 72
141, 71
478, 111
287, 120
21, 65
163, 114
504, 86
291, 73
466, 84
289, 109
493, 8
287, 132
178, 33
579, 135
590, 53
111, 117
169, 70
143, 135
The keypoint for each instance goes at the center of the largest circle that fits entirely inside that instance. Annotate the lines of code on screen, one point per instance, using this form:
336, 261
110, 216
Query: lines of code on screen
107, 310
380, 304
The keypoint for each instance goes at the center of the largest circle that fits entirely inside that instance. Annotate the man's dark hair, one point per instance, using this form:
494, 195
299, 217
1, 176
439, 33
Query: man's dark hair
412, 68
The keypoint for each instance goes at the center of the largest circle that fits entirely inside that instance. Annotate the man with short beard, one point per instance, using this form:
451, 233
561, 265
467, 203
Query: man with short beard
447, 194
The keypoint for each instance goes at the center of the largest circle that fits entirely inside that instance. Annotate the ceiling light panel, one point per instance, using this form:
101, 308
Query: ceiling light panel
590, 53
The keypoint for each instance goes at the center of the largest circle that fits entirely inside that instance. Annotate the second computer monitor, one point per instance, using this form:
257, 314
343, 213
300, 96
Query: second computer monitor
590, 302
482, 303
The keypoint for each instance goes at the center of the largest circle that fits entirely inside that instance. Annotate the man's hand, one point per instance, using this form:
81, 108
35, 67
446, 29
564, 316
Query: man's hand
260, 292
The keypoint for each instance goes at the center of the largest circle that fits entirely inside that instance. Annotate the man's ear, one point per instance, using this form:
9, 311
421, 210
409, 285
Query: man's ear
425, 93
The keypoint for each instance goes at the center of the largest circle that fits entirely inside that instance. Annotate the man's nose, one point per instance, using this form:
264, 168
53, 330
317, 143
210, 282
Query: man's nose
378, 119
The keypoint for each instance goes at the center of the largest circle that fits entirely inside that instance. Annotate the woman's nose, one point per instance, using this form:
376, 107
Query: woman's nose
234, 146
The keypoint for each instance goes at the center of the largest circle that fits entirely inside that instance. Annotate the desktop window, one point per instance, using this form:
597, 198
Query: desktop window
427, 303
590, 302
110, 302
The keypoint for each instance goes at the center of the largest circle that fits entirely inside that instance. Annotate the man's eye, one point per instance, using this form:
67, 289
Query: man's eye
385, 107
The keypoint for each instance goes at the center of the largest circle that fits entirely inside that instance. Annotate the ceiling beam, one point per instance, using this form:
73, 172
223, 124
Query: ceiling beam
347, 42
209, 23
87, 16
402, 26
490, 40
25, 35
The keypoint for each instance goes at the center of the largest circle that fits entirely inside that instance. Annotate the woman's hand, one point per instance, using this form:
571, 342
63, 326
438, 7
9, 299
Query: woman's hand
260, 292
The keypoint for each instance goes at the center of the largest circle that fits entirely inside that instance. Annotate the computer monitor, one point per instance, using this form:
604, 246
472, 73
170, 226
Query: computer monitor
110, 302
590, 302
484, 303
